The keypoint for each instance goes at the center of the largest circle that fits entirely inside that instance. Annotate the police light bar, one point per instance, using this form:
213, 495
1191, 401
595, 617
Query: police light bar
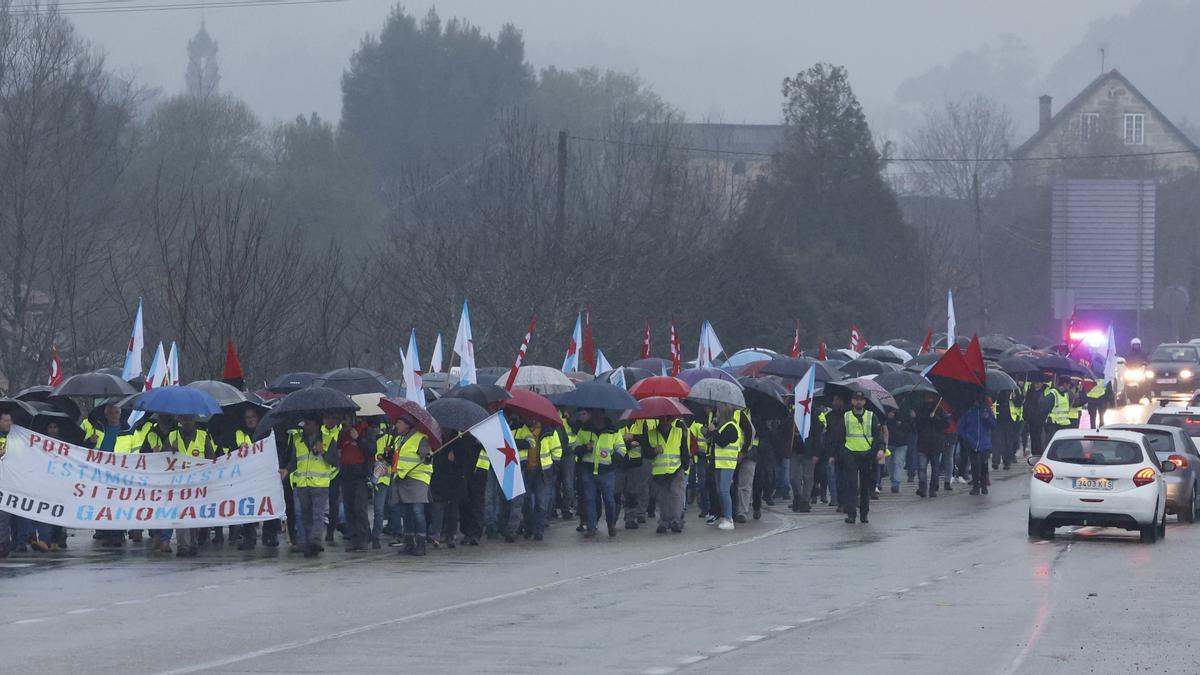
1092, 338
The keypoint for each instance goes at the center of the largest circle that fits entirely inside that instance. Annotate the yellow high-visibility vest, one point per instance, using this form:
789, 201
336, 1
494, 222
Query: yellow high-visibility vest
311, 470
193, 449
858, 431
670, 458
408, 460
726, 456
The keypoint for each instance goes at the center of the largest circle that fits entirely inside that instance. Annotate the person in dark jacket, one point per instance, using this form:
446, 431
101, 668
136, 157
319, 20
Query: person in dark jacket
899, 426
447, 489
861, 441
805, 455
357, 444
834, 475
975, 427
931, 422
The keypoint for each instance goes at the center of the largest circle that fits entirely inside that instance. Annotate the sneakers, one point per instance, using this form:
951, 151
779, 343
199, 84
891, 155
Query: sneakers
739, 518
849, 520
712, 520
725, 524
895, 489
661, 529
961, 480
758, 514
974, 491
984, 490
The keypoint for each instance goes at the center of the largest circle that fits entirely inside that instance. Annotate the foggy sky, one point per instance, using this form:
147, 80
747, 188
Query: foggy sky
711, 58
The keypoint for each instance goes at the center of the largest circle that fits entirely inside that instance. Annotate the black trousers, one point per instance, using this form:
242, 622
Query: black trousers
979, 469
289, 506
860, 481
357, 502
470, 509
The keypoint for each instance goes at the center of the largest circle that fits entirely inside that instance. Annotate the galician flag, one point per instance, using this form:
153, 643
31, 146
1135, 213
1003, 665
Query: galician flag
571, 360
618, 378
435, 361
951, 323
602, 364
173, 364
710, 346
413, 388
137, 341
804, 400
159, 375
497, 440
464, 346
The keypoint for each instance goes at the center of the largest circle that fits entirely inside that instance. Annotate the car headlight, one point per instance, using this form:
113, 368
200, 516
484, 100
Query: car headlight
1133, 375
1149, 374
1185, 374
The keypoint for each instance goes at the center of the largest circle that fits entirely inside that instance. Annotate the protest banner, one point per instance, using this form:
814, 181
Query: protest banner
54, 482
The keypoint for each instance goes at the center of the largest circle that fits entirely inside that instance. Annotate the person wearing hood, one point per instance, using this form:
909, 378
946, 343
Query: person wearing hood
931, 422
975, 427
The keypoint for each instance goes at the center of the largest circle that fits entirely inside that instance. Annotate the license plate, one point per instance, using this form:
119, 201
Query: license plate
1093, 484
1166, 380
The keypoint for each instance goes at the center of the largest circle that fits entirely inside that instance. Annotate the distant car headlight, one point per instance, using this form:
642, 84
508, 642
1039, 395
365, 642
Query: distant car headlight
1185, 374
1149, 374
1134, 375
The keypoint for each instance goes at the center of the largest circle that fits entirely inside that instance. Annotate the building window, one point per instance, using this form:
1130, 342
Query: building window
1089, 126
1135, 129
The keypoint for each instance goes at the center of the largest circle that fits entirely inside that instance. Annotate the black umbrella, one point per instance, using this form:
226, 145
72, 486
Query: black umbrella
995, 345
922, 362
999, 381
351, 381
94, 385
600, 395
902, 378
795, 369
458, 414
481, 395
764, 398
907, 345
1018, 365
860, 367
847, 388
315, 399
68, 429
1014, 350
225, 394
39, 392
1059, 365
22, 411
289, 382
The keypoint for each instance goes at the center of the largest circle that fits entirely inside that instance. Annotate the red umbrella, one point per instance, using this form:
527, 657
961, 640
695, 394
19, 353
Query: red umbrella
660, 385
655, 407
395, 408
533, 406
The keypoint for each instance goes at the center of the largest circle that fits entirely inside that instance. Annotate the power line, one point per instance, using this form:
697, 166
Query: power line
913, 160
82, 7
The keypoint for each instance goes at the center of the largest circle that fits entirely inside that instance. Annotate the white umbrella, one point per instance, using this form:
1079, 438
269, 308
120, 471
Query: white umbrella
887, 354
848, 354
714, 392
368, 404
541, 380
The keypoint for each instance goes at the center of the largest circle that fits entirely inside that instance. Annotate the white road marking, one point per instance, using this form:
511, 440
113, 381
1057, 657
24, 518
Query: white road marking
135, 601
82, 610
14, 566
923, 584
723, 649
882, 597
693, 659
781, 629
327, 637
658, 671
754, 638
171, 594
941, 578
38, 620
810, 619
901, 590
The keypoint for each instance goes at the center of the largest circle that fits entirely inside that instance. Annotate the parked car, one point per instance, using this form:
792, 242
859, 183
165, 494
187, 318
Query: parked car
1101, 478
1172, 444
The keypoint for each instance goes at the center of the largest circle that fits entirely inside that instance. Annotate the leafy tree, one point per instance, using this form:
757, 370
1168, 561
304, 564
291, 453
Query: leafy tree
587, 99
427, 95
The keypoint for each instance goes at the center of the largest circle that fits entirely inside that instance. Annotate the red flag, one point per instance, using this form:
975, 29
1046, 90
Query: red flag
56, 373
796, 341
646, 341
857, 341
512, 374
974, 358
821, 351
927, 344
589, 347
233, 367
676, 352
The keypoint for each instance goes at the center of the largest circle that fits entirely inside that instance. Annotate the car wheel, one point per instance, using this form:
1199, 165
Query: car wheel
1150, 532
1188, 513
1035, 527
1162, 528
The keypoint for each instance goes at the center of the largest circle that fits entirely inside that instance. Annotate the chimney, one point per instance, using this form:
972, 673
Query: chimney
1043, 111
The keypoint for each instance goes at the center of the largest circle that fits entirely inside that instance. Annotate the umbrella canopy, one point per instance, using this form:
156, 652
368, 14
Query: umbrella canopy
68, 429
315, 400
533, 406
907, 345
764, 397
597, 394
920, 363
794, 369
580, 376
746, 356
654, 407
922, 387
903, 378
395, 408
694, 375
1059, 365
877, 397
458, 414
1018, 365
864, 366
1015, 349
22, 411
939, 341
368, 404
887, 354
39, 392
542, 380
995, 345
96, 385
998, 381
482, 395
632, 375
716, 392
176, 400
289, 382
225, 394
653, 364
848, 354
660, 385
351, 381
752, 369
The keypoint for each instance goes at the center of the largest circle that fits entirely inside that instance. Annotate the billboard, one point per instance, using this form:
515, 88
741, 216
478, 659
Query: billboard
1102, 245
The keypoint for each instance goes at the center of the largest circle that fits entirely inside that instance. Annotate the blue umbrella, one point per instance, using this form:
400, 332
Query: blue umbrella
600, 395
177, 401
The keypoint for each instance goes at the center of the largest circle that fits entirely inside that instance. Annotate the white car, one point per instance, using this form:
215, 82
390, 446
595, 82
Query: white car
1105, 478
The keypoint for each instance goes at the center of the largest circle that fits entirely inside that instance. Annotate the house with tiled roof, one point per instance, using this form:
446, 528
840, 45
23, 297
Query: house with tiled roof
1109, 130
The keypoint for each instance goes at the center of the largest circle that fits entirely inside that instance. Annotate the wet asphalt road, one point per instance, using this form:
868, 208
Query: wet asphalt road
949, 585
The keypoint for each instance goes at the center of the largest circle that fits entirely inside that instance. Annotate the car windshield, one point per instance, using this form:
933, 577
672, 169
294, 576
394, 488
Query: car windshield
1159, 441
1182, 353
1097, 452
1189, 423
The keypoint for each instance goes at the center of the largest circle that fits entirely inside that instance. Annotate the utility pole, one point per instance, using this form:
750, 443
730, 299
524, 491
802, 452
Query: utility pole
979, 249
560, 197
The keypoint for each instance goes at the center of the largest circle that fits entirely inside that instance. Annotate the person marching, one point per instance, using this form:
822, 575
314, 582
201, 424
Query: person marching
726, 439
189, 441
314, 458
410, 484
862, 447
597, 443
539, 479
670, 451
154, 439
